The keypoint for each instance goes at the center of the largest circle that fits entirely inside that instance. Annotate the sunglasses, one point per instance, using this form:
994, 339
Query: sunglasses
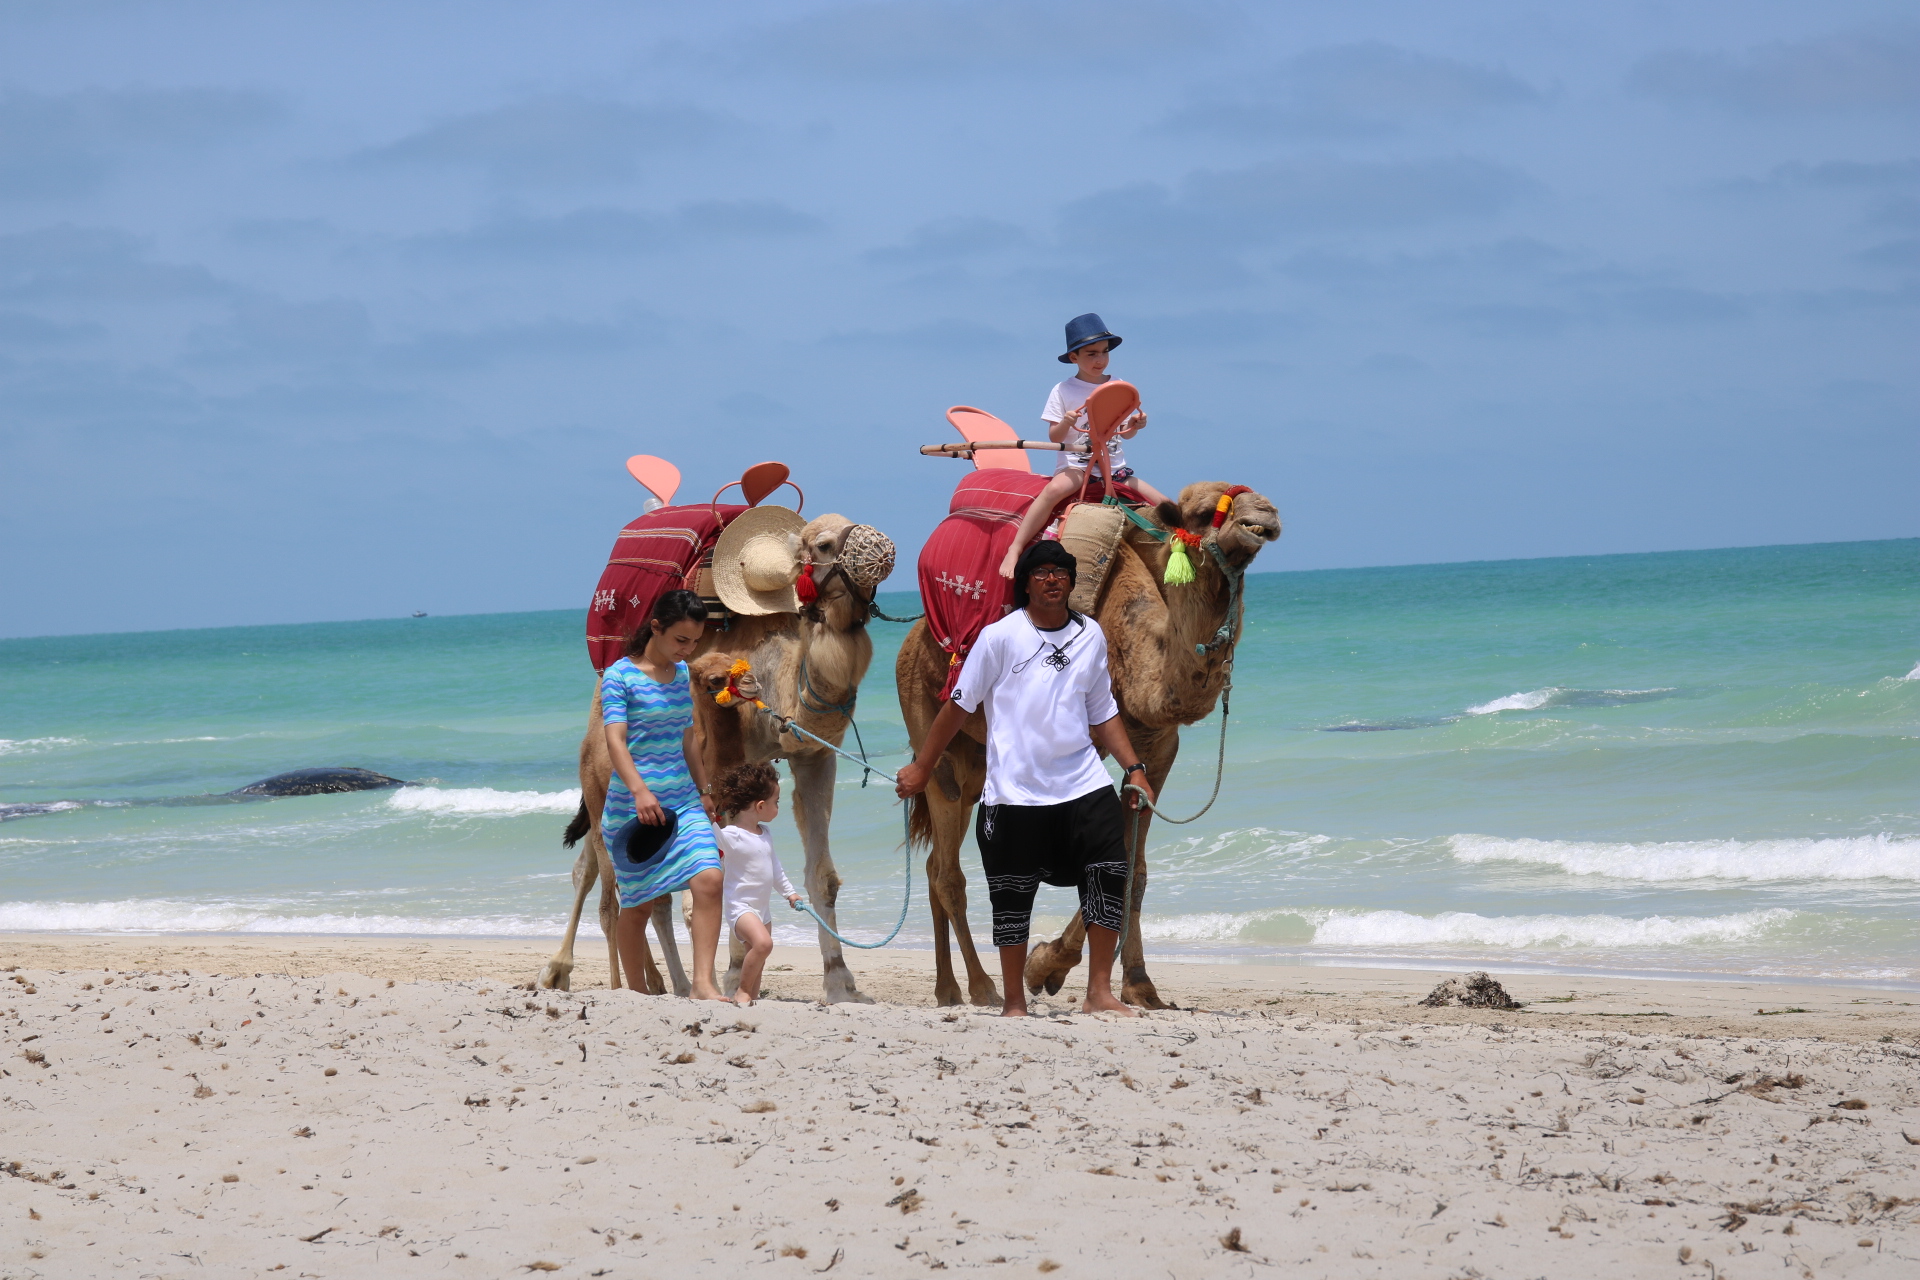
1045, 572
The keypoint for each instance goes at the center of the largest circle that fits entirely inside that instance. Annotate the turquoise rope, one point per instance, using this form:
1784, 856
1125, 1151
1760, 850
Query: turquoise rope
906, 845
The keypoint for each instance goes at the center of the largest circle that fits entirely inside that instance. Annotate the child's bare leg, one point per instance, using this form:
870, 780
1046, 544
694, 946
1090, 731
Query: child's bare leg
705, 928
759, 939
1062, 484
1153, 496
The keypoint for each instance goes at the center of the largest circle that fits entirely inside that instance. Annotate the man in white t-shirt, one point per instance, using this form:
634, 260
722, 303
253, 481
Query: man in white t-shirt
1048, 812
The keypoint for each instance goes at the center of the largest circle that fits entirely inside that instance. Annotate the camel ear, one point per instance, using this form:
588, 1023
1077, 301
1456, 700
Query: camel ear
1169, 513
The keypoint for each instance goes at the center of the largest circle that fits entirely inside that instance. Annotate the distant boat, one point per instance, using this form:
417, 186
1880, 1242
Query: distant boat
419, 613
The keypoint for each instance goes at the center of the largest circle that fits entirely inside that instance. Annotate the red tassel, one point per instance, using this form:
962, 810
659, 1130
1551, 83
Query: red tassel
804, 587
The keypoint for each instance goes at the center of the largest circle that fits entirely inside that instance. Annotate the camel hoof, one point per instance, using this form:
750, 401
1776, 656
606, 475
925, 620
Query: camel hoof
987, 997
557, 976
1139, 992
946, 997
1048, 967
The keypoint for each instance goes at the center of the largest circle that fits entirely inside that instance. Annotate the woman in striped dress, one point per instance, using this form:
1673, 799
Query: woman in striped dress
646, 704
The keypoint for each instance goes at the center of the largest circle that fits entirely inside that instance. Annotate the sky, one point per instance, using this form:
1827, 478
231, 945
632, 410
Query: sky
343, 310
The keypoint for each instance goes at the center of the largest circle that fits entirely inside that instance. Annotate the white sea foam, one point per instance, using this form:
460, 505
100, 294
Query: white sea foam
1875, 857
1555, 696
160, 915
28, 746
1913, 674
483, 801
1463, 928
1515, 702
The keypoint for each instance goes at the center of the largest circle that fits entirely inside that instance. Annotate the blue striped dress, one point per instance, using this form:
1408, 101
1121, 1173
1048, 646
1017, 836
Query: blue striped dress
657, 716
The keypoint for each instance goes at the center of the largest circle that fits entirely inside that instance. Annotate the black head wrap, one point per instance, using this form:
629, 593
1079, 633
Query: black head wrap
1045, 551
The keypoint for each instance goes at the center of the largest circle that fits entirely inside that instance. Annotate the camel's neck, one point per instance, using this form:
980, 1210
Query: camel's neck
836, 662
1165, 672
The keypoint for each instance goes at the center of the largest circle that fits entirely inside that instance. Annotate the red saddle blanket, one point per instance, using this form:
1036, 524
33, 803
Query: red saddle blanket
960, 583
653, 555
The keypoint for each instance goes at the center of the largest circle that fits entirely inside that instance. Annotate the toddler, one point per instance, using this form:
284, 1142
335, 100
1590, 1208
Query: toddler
1088, 345
748, 796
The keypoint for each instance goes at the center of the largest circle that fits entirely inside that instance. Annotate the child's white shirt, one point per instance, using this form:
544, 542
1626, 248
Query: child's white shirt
751, 869
1068, 395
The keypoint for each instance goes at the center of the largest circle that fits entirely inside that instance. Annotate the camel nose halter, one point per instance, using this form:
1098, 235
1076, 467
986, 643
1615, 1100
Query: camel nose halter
739, 678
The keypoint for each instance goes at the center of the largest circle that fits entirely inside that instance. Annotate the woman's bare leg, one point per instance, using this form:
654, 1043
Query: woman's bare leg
1041, 510
630, 934
759, 939
705, 927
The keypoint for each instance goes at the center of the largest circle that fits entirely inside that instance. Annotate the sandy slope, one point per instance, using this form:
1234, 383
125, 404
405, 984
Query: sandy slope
185, 1125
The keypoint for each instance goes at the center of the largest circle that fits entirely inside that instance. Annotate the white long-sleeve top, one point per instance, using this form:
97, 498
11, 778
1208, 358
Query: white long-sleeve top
752, 869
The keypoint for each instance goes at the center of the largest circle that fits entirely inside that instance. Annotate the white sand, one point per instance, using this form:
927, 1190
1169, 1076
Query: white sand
474, 1129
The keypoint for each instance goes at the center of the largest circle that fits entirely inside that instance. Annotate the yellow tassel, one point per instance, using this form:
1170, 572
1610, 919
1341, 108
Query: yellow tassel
1179, 567
739, 668
723, 697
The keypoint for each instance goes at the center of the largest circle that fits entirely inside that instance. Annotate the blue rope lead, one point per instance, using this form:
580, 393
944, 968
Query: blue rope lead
906, 843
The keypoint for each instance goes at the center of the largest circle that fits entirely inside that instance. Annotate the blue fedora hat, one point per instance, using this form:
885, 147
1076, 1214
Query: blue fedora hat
637, 843
1082, 330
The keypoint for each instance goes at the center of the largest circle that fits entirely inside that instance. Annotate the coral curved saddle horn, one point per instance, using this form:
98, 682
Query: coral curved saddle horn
1111, 404
656, 475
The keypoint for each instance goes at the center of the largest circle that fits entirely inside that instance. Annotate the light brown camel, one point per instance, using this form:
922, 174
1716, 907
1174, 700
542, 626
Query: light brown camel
808, 666
1161, 682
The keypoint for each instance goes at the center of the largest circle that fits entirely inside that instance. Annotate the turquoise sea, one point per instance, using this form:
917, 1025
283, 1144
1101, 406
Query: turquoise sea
1688, 762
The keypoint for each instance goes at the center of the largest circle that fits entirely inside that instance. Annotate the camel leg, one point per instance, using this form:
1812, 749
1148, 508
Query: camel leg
1136, 988
669, 948
736, 956
947, 888
812, 811
558, 975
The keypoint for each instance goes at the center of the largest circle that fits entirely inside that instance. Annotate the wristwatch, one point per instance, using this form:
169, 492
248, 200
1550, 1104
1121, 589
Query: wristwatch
1130, 768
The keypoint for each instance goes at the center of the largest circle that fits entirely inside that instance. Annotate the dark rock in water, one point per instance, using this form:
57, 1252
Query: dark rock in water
318, 782
1476, 990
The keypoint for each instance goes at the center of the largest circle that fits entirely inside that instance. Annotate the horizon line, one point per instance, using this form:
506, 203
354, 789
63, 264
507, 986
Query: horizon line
1355, 568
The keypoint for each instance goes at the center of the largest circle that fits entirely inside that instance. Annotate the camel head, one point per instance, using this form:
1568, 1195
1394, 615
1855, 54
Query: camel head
709, 674
1251, 521
848, 563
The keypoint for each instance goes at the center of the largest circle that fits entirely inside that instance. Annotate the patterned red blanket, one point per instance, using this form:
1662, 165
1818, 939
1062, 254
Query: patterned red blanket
960, 583
660, 551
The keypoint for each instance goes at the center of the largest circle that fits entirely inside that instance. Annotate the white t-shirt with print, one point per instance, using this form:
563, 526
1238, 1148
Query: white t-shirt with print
1068, 395
1038, 712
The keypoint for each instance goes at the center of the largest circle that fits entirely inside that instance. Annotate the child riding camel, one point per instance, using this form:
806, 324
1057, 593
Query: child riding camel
1088, 346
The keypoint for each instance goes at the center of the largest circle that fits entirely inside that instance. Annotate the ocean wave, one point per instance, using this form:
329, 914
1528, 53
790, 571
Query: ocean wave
8, 811
1463, 928
469, 802
1913, 674
27, 746
1875, 857
1555, 696
161, 915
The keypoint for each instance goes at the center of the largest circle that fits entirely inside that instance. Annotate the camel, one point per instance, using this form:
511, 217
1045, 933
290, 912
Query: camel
809, 667
1168, 671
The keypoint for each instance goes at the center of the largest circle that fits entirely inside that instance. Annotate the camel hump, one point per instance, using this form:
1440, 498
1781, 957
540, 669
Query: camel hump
318, 782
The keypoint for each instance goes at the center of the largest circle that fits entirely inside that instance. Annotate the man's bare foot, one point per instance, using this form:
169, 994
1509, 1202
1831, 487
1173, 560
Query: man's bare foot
1103, 1002
1014, 1009
708, 993
742, 999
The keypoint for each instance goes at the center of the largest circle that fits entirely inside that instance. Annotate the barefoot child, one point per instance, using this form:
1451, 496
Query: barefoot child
748, 796
1088, 345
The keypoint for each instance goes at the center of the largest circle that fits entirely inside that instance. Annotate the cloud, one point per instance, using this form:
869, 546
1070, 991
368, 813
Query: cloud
1286, 198
1352, 90
554, 139
914, 37
95, 265
1849, 70
954, 337
609, 232
266, 329
1894, 253
20, 328
1841, 175
949, 240
489, 346
68, 144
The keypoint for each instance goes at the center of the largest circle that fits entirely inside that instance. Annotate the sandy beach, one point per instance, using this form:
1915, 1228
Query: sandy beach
347, 1107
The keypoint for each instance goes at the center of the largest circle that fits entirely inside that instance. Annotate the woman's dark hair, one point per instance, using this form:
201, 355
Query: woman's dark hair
745, 785
674, 606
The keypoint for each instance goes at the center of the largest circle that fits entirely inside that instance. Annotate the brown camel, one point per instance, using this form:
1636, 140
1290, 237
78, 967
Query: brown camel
1168, 671
808, 666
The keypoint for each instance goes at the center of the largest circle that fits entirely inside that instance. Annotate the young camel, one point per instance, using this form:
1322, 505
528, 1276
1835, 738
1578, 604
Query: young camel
1161, 683
808, 666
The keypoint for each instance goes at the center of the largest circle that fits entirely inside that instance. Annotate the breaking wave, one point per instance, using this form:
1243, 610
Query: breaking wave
1554, 696
1463, 928
27, 746
482, 801
160, 915
1875, 857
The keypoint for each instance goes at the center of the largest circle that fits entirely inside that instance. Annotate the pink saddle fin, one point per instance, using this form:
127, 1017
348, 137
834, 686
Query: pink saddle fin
976, 425
656, 475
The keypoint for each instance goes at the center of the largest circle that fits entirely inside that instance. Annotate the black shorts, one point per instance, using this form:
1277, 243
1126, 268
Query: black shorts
1078, 843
